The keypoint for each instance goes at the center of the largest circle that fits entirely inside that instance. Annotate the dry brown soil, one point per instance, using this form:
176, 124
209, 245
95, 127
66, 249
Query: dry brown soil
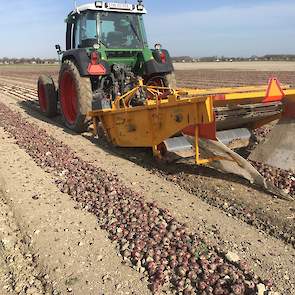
196, 75
64, 241
74, 256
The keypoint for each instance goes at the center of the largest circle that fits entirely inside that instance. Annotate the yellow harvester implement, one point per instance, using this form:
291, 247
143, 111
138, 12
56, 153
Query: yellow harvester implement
153, 123
195, 119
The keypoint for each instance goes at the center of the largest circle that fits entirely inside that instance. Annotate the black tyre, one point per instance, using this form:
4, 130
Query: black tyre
170, 80
165, 80
75, 96
47, 96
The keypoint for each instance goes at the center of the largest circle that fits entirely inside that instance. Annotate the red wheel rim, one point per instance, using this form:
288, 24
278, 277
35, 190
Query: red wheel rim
42, 97
68, 98
157, 81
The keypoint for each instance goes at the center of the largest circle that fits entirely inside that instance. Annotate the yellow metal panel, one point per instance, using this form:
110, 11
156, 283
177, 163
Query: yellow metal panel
227, 90
149, 125
159, 119
241, 95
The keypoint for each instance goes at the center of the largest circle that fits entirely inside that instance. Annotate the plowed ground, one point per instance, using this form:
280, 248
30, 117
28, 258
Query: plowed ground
225, 210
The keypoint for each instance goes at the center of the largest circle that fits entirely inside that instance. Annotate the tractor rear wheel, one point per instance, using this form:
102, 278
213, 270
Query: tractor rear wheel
47, 96
75, 96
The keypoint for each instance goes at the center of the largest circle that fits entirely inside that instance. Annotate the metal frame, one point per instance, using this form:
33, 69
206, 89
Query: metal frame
170, 111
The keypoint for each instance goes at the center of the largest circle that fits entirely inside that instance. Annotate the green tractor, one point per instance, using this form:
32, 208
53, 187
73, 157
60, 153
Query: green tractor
106, 54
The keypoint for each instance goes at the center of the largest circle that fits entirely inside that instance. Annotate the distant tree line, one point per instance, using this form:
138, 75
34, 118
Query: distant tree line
269, 57
33, 60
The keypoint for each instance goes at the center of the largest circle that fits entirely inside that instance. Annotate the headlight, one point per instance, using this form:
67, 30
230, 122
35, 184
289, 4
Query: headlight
140, 7
96, 46
158, 46
99, 4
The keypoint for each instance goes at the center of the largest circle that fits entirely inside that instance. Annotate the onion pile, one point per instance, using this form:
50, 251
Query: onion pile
284, 180
261, 133
148, 237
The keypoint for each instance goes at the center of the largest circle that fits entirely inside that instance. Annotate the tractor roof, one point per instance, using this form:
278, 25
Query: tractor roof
111, 7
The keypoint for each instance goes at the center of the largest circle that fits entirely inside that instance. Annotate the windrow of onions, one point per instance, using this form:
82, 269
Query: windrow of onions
284, 180
148, 237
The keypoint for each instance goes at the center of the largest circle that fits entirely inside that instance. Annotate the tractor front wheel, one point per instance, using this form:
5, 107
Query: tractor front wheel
75, 96
47, 96
170, 80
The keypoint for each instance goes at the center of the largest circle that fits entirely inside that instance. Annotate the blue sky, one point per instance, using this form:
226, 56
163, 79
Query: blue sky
185, 27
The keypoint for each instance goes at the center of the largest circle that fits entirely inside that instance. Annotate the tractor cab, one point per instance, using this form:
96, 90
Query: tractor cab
111, 35
107, 26
106, 54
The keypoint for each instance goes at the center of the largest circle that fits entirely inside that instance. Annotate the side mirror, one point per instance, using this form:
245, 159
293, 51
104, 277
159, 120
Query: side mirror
158, 46
58, 49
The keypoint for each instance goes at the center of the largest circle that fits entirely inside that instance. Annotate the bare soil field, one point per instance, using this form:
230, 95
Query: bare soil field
77, 248
194, 75
27, 73
270, 66
209, 75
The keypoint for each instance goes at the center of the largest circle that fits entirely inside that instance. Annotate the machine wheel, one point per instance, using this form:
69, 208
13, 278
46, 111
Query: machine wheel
171, 80
47, 96
75, 95
167, 80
